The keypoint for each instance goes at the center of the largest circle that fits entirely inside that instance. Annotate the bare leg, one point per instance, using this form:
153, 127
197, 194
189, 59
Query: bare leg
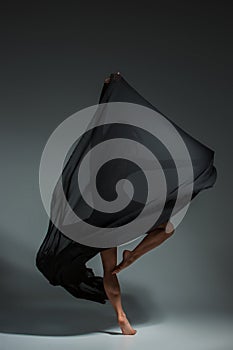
150, 241
112, 289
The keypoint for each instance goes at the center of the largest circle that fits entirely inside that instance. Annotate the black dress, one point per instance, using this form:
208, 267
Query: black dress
61, 260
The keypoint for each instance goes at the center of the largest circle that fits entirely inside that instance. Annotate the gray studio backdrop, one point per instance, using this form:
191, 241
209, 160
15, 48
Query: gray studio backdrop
52, 69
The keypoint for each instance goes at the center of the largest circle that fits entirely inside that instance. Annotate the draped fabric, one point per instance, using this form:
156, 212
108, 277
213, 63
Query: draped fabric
63, 261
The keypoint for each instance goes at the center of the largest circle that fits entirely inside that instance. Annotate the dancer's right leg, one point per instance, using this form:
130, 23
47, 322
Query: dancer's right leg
112, 289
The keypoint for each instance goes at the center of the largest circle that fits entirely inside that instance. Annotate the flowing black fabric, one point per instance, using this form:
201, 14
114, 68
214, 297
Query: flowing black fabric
63, 261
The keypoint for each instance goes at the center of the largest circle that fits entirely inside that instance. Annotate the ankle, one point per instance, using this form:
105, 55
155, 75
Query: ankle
121, 315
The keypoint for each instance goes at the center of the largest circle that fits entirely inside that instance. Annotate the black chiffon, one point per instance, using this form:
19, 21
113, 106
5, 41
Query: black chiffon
61, 260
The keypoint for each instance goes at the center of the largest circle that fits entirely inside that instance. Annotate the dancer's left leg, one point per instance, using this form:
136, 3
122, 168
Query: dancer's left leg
150, 241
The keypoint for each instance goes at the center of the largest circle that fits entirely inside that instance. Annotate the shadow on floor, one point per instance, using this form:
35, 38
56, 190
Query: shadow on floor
41, 309
30, 305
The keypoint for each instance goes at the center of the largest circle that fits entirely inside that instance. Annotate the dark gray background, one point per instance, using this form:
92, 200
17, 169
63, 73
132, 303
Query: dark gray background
53, 63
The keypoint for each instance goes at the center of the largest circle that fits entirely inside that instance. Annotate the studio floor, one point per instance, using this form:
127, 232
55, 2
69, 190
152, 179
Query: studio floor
188, 331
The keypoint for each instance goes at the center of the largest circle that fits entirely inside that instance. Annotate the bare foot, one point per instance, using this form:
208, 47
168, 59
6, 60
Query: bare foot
128, 259
125, 326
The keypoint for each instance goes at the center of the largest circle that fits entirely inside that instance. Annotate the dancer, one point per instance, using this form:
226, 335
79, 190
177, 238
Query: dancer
62, 260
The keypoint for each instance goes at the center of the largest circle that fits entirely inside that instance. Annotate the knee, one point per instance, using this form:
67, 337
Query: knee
110, 284
169, 229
